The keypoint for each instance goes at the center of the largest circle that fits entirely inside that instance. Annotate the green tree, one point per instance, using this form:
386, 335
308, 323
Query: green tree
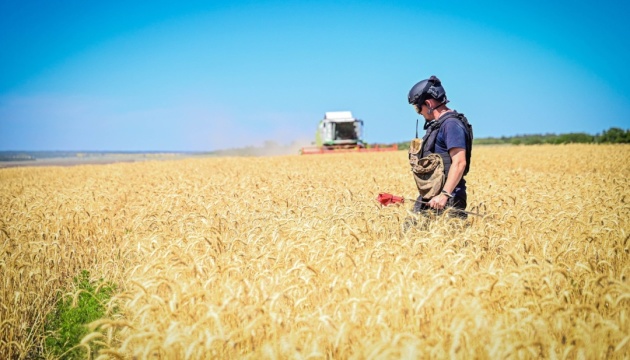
615, 135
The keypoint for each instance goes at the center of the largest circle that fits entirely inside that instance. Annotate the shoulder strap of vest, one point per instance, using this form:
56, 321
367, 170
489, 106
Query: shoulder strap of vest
428, 141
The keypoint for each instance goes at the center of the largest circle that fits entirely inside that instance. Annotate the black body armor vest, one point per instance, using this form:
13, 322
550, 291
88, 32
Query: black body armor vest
428, 141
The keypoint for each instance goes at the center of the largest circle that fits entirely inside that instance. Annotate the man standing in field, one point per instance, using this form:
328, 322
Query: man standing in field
441, 159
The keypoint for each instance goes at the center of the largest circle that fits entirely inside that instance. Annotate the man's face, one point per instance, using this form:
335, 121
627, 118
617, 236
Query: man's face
422, 110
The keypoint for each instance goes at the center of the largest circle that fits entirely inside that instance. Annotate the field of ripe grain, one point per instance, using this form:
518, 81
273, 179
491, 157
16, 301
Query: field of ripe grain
291, 257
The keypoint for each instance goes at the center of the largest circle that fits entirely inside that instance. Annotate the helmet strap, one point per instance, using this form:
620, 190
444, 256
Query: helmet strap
437, 107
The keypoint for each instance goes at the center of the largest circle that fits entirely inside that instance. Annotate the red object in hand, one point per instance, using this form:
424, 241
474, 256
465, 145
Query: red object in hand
388, 199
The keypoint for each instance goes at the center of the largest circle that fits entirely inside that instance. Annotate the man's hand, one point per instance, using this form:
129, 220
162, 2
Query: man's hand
438, 202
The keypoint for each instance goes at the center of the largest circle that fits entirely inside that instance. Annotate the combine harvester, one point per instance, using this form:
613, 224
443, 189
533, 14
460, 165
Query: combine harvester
340, 132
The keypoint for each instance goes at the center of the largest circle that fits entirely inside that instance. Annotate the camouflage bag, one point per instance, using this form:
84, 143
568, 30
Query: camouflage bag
427, 171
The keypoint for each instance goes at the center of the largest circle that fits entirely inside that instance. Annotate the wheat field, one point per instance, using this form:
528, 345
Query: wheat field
292, 257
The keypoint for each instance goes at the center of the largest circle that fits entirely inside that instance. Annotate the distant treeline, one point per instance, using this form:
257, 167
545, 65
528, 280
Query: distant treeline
611, 136
15, 156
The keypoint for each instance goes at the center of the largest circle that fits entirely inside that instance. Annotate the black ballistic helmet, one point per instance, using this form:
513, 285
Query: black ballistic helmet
425, 89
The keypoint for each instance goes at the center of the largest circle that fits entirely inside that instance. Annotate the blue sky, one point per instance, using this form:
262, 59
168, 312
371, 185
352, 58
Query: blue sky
198, 76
